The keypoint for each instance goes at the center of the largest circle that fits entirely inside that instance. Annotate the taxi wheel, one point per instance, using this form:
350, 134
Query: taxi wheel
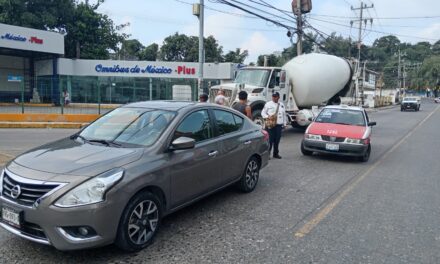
366, 156
304, 151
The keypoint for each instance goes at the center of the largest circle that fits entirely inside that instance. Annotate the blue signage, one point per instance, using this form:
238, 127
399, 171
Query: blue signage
10, 36
14, 78
135, 69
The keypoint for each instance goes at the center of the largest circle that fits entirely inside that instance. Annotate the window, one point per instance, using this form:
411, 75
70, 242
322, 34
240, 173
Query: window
138, 126
196, 126
341, 116
227, 122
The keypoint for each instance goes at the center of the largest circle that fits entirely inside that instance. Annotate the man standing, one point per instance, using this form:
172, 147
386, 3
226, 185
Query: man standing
203, 98
242, 105
220, 98
277, 108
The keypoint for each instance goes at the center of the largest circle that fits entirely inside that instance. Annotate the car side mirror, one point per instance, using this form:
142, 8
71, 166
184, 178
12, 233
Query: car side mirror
371, 123
182, 143
310, 119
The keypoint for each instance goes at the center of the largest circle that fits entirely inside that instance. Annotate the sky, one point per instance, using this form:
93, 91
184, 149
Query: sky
153, 20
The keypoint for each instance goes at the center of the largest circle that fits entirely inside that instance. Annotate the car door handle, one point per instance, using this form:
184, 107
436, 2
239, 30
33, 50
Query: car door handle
213, 153
248, 142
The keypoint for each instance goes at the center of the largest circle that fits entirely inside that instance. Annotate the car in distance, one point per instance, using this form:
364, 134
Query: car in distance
408, 103
339, 130
437, 100
113, 181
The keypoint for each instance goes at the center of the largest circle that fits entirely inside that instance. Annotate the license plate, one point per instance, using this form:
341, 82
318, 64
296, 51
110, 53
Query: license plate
332, 147
11, 216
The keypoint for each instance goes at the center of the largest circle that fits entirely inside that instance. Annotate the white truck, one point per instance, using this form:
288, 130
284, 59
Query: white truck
304, 83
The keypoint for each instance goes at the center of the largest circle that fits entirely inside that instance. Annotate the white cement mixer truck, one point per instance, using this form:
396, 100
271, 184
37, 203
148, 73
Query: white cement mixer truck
305, 83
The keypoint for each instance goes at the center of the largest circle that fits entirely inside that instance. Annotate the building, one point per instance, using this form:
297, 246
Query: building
36, 57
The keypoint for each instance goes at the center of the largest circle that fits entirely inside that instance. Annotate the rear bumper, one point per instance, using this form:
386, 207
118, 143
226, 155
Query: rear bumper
345, 149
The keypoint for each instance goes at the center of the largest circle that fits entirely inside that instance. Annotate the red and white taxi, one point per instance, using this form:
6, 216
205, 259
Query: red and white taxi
340, 130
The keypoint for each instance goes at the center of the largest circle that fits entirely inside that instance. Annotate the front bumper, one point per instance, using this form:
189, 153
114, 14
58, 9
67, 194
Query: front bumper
50, 225
354, 150
46, 225
406, 106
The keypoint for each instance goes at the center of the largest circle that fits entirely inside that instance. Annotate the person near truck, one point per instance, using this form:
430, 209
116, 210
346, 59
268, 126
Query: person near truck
242, 105
270, 109
220, 98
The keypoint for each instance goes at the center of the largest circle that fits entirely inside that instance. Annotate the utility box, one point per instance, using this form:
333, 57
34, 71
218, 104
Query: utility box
196, 9
306, 6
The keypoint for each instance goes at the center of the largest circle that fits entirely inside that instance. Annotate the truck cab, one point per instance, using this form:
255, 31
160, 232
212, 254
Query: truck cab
259, 83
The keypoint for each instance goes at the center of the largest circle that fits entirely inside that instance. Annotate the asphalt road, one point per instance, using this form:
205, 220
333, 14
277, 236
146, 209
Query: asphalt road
317, 209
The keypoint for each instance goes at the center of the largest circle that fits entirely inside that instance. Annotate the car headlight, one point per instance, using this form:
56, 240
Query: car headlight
91, 191
313, 137
354, 141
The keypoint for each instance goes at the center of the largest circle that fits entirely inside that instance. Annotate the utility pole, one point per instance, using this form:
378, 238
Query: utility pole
198, 10
300, 7
399, 68
361, 20
299, 29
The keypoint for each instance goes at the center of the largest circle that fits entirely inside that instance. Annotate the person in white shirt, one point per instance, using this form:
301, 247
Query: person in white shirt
270, 109
220, 98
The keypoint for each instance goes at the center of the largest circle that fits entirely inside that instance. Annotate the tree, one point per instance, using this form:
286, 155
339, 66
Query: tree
390, 44
150, 53
237, 56
131, 49
180, 47
89, 35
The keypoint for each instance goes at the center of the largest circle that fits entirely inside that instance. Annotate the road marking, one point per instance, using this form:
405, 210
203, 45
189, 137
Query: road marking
322, 213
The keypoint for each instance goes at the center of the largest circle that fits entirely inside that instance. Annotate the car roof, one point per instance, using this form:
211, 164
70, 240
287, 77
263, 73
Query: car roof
345, 107
165, 104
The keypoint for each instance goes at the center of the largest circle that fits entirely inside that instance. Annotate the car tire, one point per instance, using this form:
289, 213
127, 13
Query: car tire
304, 151
142, 222
366, 156
250, 176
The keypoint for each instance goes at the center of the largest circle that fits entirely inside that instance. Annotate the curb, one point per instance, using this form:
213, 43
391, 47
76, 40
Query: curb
70, 125
5, 158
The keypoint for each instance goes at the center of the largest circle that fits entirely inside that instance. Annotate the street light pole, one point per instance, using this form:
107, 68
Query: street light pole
201, 48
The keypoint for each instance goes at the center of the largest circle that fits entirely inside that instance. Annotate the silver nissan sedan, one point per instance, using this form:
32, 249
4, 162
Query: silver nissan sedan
113, 181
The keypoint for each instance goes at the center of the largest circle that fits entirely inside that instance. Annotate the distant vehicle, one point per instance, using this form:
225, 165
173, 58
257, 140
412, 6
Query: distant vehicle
113, 181
411, 102
339, 130
303, 82
437, 100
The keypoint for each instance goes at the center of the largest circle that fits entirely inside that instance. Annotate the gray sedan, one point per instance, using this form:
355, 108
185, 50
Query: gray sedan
113, 181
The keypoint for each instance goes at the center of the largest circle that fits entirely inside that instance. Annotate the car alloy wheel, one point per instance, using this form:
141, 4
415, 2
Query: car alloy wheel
143, 222
250, 175
139, 222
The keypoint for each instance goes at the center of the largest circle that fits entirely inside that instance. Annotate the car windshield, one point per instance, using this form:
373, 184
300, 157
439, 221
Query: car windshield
253, 77
409, 99
132, 126
341, 116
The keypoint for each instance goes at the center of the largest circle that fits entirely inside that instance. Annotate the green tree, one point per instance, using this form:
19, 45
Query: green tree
89, 34
150, 53
131, 49
237, 56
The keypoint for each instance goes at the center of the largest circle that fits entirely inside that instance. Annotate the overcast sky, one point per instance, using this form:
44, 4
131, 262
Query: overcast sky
153, 20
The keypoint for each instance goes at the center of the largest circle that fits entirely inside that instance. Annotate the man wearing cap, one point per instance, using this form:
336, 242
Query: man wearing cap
270, 109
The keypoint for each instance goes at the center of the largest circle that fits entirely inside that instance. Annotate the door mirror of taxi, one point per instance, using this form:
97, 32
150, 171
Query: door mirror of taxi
371, 123
182, 143
310, 119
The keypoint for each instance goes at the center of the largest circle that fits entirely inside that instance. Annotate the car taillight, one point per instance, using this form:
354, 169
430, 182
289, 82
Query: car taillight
265, 134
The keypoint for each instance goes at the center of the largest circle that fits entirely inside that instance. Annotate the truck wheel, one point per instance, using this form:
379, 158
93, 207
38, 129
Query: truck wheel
304, 151
257, 118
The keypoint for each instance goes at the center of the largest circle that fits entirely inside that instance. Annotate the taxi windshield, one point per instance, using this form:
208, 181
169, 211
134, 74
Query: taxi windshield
341, 116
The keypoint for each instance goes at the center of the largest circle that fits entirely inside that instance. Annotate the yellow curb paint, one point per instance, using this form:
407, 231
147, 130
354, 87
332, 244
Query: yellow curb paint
322, 213
31, 117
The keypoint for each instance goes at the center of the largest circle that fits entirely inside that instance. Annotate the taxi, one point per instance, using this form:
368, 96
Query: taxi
339, 130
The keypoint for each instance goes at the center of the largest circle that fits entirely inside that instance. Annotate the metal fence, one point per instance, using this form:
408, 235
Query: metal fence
88, 94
